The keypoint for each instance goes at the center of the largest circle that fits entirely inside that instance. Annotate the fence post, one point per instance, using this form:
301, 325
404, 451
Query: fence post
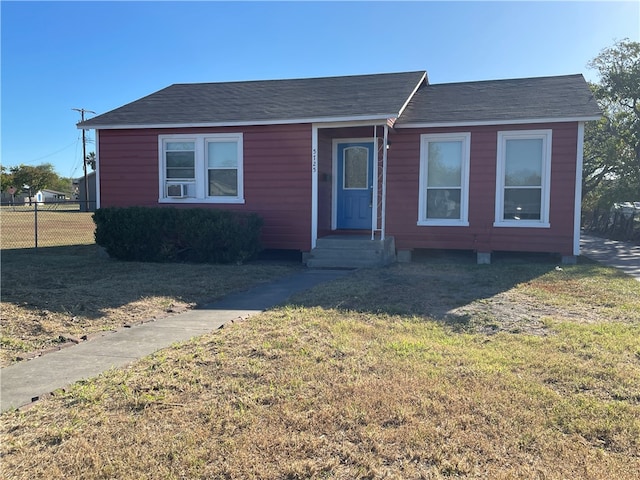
35, 216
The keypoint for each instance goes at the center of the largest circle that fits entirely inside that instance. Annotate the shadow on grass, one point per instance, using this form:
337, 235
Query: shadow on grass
445, 286
81, 280
439, 285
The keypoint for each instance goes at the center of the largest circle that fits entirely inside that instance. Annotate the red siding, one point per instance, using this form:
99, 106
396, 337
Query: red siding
277, 185
277, 176
480, 235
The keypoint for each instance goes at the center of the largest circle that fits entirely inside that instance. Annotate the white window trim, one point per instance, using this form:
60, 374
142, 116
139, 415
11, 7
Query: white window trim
201, 168
546, 137
425, 139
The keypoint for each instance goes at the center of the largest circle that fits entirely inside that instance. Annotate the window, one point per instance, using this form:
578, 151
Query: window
222, 168
181, 158
523, 178
356, 168
201, 168
444, 179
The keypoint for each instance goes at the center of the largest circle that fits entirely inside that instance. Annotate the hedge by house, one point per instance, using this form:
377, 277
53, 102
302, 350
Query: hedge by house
178, 234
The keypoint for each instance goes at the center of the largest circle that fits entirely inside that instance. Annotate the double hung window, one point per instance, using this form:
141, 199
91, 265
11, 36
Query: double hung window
222, 168
201, 168
523, 178
180, 160
444, 179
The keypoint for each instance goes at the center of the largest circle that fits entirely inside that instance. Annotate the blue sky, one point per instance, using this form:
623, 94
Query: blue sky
57, 56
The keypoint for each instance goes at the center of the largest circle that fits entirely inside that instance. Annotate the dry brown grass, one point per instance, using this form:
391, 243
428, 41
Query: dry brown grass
377, 375
57, 226
53, 294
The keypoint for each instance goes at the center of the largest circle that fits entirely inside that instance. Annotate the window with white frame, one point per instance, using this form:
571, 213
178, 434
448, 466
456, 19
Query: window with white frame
222, 168
523, 177
201, 168
180, 160
444, 179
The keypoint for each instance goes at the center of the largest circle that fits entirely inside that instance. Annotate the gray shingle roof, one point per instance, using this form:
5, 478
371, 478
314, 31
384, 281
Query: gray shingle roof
358, 97
270, 101
560, 97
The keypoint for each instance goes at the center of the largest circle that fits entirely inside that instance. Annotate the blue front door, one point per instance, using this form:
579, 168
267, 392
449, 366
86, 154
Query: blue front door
354, 185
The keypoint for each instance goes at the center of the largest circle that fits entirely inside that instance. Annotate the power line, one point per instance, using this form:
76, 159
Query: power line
76, 157
50, 154
84, 154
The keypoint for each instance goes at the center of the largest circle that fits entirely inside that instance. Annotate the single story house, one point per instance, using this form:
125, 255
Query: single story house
15, 196
387, 159
49, 196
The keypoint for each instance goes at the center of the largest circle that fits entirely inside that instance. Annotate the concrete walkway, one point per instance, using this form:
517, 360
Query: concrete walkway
27, 381
622, 255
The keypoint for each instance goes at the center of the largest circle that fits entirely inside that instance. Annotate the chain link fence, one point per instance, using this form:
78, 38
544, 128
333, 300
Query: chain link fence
46, 224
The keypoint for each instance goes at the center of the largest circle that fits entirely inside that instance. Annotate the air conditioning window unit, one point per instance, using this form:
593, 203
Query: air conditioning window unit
177, 190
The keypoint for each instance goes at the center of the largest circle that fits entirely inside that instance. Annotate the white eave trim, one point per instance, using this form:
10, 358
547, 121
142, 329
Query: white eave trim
577, 206
356, 120
497, 122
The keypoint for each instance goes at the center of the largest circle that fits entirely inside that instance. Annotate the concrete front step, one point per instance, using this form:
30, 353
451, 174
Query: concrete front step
349, 243
351, 252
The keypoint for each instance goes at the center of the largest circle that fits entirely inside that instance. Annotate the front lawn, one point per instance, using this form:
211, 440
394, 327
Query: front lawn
52, 295
432, 370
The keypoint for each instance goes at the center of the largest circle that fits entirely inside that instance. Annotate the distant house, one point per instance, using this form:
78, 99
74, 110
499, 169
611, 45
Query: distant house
90, 204
484, 166
49, 196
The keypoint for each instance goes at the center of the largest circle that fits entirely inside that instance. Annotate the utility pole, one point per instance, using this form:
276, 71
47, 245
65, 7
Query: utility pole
84, 157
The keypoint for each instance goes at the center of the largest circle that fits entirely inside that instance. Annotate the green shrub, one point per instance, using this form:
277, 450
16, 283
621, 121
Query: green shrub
177, 234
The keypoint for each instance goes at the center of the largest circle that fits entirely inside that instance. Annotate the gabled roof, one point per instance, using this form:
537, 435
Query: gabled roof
355, 97
359, 97
521, 100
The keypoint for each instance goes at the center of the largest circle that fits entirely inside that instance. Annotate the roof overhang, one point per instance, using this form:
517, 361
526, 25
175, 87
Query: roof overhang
479, 123
355, 120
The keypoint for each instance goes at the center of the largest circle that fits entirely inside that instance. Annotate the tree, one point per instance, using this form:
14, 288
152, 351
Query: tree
62, 184
91, 160
6, 179
612, 145
34, 178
